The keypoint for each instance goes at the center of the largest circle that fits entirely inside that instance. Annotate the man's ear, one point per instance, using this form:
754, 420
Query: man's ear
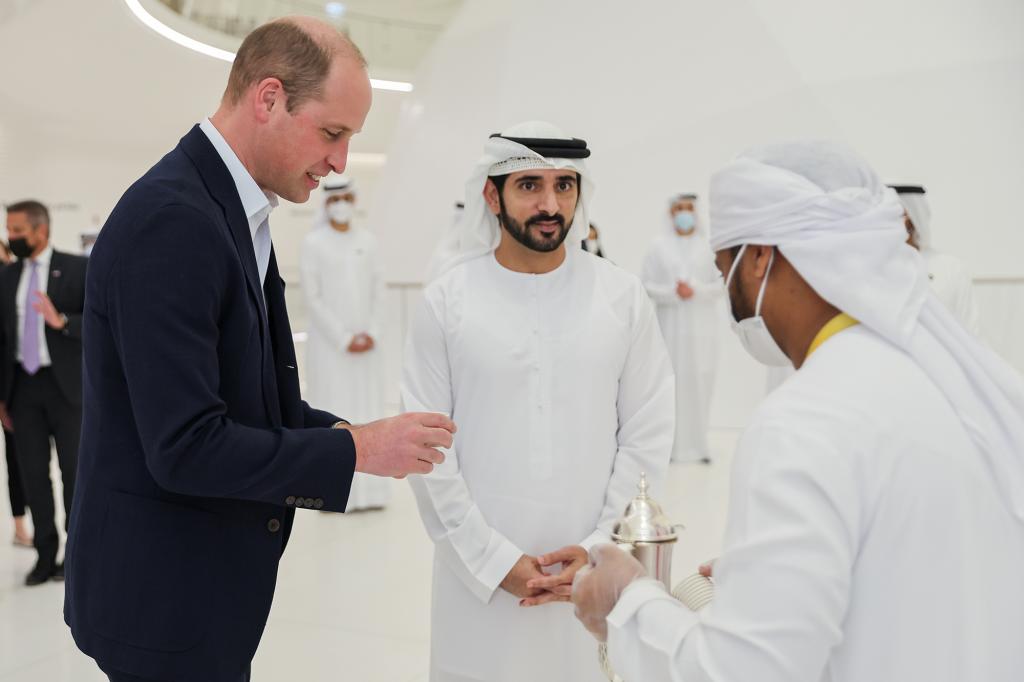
760, 256
491, 196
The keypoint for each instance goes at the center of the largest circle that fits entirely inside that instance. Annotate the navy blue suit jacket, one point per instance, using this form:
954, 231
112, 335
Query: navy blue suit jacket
196, 446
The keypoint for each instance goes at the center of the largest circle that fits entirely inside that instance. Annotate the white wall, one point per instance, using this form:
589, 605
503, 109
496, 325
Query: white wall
666, 91
92, 99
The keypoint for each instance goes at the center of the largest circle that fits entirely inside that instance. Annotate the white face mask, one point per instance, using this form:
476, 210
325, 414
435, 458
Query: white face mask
753, 332
340, 212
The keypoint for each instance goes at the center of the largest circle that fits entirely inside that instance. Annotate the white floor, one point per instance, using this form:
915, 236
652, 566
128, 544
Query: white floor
353, 595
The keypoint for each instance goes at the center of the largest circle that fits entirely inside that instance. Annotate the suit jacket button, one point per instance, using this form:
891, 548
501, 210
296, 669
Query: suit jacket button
318, 503
309, 503
290, 500
273, 525
300, 502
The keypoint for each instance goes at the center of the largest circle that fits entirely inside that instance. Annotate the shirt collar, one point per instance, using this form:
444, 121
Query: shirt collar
43, 259
256, 203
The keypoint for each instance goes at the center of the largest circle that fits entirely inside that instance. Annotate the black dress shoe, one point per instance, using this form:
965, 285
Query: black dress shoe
40, 574
58, 573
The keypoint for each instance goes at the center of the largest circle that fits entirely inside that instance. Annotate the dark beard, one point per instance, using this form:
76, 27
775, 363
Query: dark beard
521, 233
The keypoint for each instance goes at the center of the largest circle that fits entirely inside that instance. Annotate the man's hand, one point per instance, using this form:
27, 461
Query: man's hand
361, 343
5, 418
44, 306
557, 587
597, 587
402, 445
517, 580
684, 290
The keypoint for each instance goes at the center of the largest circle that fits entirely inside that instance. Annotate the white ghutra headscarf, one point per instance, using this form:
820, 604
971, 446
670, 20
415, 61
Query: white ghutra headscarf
477, 231
842, 229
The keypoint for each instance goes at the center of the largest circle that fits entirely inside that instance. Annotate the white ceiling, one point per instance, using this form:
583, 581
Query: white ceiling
393, 34
89, 73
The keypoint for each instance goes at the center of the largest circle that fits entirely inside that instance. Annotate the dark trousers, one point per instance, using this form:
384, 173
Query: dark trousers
39, 411
14, 486
115, 676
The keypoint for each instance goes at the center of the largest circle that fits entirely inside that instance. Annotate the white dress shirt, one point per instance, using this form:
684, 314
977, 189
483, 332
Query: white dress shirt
43, 278
256, 203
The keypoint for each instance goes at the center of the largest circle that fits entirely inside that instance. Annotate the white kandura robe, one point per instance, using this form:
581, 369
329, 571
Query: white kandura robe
342, 288
691, 331
866, 542
561, 389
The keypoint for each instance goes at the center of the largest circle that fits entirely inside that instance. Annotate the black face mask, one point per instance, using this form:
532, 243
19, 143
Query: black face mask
20, 247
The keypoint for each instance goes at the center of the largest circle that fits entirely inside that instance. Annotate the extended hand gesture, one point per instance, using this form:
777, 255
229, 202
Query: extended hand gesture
44, 306
402, 445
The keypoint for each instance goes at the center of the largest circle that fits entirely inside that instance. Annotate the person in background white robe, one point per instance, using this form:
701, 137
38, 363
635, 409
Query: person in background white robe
341, 283
876, 517
680, 277
548, 451
947, 275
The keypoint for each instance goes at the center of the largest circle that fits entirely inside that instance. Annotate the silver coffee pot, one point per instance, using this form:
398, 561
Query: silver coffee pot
646, 533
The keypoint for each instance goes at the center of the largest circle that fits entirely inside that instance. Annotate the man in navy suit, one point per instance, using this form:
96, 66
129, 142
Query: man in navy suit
196, 447
41, 300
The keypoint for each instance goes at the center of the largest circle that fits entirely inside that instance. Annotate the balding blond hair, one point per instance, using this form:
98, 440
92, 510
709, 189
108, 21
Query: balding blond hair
286, 49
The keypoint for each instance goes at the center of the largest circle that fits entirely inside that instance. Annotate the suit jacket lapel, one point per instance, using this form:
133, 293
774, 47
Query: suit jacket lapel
222, 188
286, 375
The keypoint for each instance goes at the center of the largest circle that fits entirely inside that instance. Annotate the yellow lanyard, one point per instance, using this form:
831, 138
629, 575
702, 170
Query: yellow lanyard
832, 327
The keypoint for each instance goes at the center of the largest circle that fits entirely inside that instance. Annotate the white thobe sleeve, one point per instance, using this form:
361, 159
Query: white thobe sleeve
322, 317
660, 287
782, 582
646, 412
479, 555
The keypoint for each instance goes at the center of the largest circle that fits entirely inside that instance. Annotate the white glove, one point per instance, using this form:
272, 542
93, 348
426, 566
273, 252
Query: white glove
598, 586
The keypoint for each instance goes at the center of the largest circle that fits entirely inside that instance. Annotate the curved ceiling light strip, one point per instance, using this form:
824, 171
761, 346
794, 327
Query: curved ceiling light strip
210, 51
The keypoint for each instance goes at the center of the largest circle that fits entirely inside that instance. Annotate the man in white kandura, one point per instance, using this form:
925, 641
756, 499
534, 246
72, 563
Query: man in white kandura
948, 277
341, 283
548, 452
680, 276
876, 517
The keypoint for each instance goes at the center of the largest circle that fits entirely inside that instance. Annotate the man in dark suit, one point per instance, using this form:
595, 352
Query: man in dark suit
196, 447
42, 296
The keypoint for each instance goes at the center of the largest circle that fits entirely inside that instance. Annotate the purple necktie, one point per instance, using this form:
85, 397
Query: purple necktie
30, 332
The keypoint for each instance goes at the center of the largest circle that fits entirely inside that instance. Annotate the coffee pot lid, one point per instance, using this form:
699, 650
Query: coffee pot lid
644, 521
